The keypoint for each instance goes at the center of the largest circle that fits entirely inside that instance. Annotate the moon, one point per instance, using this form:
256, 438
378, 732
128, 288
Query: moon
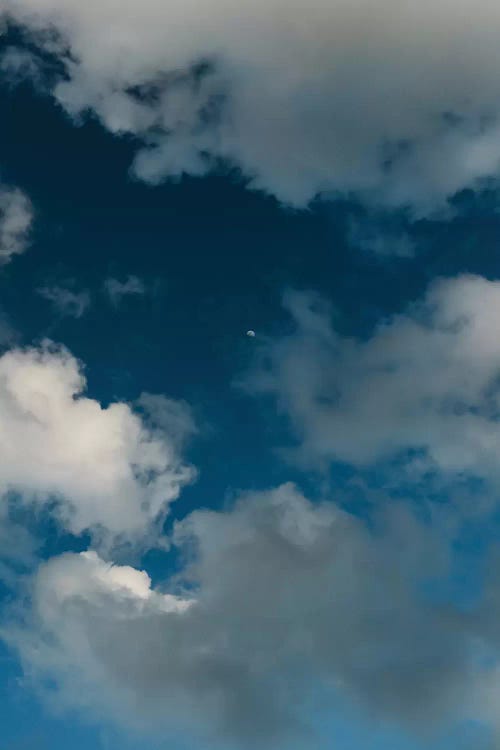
251, 334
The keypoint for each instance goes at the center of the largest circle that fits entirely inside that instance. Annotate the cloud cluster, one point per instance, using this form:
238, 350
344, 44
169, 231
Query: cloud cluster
16, 217
286, 598
111, 470
424, 385
397, 102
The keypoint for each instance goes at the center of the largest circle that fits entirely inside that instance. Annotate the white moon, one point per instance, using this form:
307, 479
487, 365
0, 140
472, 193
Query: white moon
251, 334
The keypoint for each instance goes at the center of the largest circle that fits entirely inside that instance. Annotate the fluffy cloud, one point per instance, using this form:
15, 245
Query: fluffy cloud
112, 470
16, 217
116, 289
286, 597
66, 302
398, 102
426, 381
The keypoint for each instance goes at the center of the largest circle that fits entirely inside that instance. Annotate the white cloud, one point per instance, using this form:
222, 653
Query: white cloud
398, 101
116, 289
113, 470
427, 381
289, 597
66, 302
16, 217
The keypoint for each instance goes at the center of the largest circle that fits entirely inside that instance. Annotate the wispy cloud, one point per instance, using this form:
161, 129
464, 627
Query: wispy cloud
67, 302
116, 289
424, 385
16, 218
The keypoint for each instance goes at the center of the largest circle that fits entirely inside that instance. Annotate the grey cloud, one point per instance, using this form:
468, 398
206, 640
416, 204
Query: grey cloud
281, 598
426, 381
398, 103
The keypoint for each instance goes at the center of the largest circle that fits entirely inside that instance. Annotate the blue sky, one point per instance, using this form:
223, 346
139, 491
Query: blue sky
215, 540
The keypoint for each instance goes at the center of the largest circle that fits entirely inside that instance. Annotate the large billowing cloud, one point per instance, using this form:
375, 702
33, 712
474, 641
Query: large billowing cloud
286, 598
399, 101
112, 470
426, 382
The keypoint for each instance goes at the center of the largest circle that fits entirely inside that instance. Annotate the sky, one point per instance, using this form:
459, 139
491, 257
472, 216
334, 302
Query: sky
221, 541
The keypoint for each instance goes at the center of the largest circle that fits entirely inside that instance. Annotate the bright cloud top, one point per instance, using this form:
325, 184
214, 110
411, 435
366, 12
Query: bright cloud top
399, 102
16, 217
425, 381
110, 469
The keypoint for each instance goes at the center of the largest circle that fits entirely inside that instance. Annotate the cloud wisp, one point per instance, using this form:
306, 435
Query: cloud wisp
116, 290
67, 302
424, 386
16, 218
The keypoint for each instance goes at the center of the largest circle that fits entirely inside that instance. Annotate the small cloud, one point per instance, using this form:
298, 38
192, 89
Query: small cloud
68, 303
16, 218
116, 289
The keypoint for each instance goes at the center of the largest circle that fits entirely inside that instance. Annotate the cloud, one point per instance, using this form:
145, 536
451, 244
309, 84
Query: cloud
116, 289
111, 470
396, 102
425, 382
18, 65
383, 235
66, 302
286, 598
16, 217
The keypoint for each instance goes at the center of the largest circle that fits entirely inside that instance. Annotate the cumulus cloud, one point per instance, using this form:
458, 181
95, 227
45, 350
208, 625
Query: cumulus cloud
111, 470
396, 102
425, 382
116, 289
66, 302
286, 598
16, 217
